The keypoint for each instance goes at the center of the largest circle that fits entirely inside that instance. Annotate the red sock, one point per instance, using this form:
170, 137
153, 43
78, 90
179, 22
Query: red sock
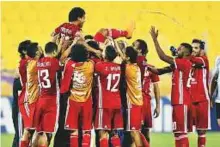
24, 143
115, 141
103, 142
181, 140
201, 140
86, 140
73, 140
145, 142
114, 33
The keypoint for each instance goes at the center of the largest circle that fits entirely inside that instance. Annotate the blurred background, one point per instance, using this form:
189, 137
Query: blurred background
177, 22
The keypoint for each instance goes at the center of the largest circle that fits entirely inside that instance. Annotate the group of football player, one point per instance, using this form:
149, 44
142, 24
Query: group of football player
107, 86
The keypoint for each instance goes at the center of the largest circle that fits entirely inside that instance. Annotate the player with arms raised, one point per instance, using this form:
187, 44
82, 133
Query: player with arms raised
77, 79
180, 94
108, 114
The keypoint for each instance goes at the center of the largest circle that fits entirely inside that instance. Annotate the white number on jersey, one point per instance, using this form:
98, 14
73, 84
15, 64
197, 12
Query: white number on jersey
46, 81
111, 77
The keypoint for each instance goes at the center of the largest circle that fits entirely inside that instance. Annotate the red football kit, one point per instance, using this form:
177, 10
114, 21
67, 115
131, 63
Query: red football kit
109, 100
46, 114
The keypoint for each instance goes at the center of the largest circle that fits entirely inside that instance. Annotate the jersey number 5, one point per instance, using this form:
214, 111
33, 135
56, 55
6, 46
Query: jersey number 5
44, 78
111, 77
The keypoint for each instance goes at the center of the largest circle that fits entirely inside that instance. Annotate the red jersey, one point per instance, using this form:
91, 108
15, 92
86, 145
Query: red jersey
23, 77
47, 75
142, 63
180, 91
199, 81
149, 79
68, 30
108, 84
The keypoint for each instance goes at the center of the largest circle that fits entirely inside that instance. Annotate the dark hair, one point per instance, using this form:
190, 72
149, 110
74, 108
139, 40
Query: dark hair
32, 49
88, 37
142, 46
50, 47
75, 13
110, 53
23, 47
78, 53
201, 43
94, 45
132, 54
187, 46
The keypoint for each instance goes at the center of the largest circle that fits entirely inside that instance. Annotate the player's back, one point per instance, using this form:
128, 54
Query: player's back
134, 87
32, 81
67, 30
47, 73
82, 79
109, 74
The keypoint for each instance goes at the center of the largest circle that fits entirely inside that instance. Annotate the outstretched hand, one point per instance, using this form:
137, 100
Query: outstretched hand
153, 32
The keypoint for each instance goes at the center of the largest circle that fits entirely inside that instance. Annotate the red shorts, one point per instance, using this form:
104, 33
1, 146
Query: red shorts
133, 118
109, 119
46, 115
147, 114
27, 113
79, 111
201, 115
182, 119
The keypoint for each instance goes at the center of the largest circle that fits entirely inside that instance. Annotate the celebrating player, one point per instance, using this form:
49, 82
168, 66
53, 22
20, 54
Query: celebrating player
132, 98
34, 52
108, 114
77, 78
180, 95
199, 90
46, 114
148, 78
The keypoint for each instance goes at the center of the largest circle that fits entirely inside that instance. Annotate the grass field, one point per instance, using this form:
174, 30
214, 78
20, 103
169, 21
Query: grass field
157, 140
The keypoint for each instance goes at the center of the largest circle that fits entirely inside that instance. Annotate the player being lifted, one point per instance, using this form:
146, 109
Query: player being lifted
73, 29
199, 91
148, 78
180, 94
77, 79
132, 97
34, 52
108, 114
46, 114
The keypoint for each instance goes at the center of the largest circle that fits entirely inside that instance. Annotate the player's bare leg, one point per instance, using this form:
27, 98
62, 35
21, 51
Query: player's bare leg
42, 140
35, 139
135, 135
181, 140
74, 138
201, 138
146, 134
103, 138
218, 121
26, 137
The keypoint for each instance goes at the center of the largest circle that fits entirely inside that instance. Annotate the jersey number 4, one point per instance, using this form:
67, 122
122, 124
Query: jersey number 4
44, 78
110, 77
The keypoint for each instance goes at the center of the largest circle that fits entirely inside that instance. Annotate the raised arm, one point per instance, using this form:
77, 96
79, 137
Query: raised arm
160, 52
160, 71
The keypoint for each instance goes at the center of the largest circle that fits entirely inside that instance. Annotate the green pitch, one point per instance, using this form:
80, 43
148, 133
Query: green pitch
157, 140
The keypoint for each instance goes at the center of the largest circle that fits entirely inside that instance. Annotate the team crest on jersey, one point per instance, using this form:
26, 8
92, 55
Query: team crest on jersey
79, 77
